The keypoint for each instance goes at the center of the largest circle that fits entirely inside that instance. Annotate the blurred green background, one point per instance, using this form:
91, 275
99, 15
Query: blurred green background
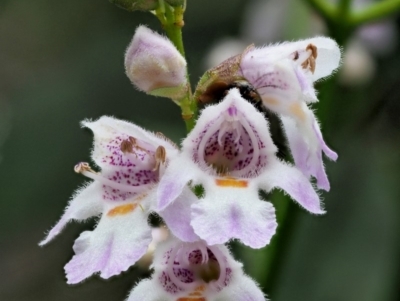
62, 62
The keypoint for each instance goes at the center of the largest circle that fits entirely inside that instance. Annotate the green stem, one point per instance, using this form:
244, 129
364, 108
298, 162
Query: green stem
375, 12
172, 22
325, 9
280, 245
343, 10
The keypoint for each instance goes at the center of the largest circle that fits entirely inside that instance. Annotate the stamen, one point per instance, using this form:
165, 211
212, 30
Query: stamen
309, 62
160, 156
127, 145
314, 50
84, 169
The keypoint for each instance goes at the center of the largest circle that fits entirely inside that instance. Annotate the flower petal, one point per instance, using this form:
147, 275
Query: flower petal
147, 290
242, 288
177, 216
306, 144
231, 137
233, 210
327, 60
85, 204
292, 181
177, 175
110, 132
119, 240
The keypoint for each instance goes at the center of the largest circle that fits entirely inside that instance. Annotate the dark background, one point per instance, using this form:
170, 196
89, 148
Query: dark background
62, 62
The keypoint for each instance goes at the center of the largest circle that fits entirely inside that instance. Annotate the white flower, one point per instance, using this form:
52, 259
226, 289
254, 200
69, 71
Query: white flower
231, 153
195, 272
283, 75
132, 161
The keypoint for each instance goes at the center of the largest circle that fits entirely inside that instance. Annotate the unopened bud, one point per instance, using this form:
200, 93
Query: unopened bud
155, 66
132, 5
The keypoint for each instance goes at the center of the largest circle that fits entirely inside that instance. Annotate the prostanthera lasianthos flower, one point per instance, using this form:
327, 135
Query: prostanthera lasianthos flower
195, 272
132, 161
230, 152
283, 75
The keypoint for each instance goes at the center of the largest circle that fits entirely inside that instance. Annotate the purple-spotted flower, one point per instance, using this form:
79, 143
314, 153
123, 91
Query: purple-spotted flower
283, 75
195, 272
132, 161
155, 66
230, 152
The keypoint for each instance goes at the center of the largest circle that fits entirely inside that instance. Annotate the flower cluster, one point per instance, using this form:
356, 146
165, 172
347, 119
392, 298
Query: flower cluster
230, 153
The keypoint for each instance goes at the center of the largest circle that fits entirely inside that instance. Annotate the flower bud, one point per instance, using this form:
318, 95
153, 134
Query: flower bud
155, 66
132, 5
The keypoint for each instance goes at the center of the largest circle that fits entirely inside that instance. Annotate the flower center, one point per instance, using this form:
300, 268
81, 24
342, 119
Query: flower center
230, 145
193, 265
306, 58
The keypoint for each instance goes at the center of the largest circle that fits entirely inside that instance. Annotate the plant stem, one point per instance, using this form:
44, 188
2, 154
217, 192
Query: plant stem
172, 22
375, 12
325, 9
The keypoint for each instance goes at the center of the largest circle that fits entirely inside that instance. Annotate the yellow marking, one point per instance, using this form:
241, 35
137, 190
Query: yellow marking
231, 182
270, 100
195, 295
298, 111
122, 210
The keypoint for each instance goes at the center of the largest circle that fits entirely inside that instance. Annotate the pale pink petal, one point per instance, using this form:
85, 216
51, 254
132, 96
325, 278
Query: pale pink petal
233, 212
242, 288
110, 132
148, 290
306, 144
177, 175
85, 204
177, 216
121, 237
293, 182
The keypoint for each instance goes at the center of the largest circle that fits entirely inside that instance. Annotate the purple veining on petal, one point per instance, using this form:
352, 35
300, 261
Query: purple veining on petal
167, 284
229, 146
190, 262
131, 169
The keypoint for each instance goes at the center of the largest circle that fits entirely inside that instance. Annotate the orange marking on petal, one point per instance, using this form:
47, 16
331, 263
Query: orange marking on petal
298, 111
122, 210
231, 182
195, 295
270, 100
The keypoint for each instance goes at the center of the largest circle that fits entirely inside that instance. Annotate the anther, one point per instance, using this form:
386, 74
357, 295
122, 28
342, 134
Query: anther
85, 169
82, 167
127, 145
313, 49
160, 157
